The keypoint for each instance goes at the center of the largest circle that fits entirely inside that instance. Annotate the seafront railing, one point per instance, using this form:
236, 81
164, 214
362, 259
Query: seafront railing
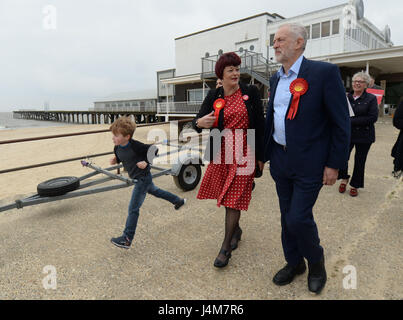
181, 124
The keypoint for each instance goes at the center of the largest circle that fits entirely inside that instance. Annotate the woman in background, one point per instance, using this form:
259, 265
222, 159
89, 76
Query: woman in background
365, 107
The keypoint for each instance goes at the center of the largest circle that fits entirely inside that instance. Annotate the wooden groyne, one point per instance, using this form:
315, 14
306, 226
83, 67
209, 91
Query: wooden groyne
87, 117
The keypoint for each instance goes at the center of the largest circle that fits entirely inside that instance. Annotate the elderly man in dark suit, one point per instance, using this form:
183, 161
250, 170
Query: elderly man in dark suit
307, 136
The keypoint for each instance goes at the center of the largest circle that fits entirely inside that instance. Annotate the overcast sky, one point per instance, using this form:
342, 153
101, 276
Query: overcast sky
101, 47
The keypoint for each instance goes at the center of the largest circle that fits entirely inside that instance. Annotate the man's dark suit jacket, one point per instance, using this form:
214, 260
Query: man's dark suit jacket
319, 135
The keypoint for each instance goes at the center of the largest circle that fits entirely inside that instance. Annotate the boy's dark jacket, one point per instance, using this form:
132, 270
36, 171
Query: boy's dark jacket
255, 114
140, 150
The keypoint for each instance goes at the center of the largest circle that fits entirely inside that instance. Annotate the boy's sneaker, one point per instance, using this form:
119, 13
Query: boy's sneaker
180, 204
121, 242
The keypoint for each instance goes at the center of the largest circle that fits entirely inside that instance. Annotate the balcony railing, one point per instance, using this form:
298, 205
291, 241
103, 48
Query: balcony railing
188, 107
179, 107
252, 63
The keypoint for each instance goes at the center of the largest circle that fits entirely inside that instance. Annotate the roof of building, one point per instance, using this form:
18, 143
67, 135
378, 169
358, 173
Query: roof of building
386, 60
310, 13
146, 94
273, 15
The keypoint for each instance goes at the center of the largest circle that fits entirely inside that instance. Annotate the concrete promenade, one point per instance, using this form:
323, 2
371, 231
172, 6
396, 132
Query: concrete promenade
173, 252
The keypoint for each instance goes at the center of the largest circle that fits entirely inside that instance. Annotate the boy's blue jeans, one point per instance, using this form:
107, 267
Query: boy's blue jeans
143, 186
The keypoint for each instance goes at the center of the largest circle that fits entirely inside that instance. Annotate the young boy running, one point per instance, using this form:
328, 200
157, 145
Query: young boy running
136, 158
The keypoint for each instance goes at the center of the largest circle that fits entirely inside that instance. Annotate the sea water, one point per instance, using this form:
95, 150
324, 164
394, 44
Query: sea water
7, 122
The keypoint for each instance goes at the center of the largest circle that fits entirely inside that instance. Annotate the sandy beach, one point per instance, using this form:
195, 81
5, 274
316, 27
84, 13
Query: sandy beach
16, 184
173, 251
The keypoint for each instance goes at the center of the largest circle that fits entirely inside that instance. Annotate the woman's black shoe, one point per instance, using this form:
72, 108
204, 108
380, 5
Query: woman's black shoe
236, 238
221, 264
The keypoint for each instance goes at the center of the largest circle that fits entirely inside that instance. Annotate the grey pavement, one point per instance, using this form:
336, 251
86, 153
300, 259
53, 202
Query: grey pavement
173, 252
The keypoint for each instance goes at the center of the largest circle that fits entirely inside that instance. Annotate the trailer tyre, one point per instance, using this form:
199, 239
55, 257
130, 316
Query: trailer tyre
58, 186
189, 177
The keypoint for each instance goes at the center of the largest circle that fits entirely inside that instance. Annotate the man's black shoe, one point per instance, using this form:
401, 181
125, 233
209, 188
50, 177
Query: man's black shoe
287, 274
317, 276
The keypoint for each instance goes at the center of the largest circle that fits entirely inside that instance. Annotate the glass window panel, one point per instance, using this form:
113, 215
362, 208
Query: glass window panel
336, 26
271, 39
325, 29
308, 31
316, 31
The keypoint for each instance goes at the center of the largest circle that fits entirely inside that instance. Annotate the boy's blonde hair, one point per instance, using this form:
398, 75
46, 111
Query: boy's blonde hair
124, 126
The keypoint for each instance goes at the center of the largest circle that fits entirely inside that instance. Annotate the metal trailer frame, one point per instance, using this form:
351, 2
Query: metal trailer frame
192, 160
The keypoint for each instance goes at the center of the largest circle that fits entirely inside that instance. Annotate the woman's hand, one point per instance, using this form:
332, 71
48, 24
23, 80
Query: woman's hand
260, 164
207, 121
142, 164
113, 161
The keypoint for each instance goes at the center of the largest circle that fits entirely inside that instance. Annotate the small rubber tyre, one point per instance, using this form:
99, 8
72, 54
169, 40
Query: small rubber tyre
189, 177
58, 186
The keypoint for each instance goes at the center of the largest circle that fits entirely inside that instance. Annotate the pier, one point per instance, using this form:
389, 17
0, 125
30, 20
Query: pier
87, 117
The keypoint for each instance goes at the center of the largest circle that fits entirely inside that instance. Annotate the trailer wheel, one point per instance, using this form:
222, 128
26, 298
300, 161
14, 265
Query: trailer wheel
58, 186
189, 177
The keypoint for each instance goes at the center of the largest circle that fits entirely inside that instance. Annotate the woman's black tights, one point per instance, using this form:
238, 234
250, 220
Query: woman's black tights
232, 217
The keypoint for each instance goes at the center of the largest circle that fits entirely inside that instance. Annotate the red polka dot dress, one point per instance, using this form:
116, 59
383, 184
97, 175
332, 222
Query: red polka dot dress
230, 176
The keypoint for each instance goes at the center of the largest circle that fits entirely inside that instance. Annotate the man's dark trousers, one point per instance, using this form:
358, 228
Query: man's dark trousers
297, 196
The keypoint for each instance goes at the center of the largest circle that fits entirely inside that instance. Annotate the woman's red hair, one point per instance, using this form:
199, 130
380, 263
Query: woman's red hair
227, 59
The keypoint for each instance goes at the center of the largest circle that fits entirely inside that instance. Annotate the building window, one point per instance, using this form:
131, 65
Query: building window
196, 95
336, 26
271, 39
356, 34
316, 31
308, 31
348, 82
366, 39
252, 47
325, 29
127, 104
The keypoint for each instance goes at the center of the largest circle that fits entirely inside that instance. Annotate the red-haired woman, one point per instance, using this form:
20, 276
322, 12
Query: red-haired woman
230, 110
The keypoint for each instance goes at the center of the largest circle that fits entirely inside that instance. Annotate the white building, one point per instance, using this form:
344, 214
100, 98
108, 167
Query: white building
336, 32
249, 33
142, 101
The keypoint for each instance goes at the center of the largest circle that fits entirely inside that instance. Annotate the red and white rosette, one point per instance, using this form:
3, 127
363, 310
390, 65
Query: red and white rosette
297, 88
218, 105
